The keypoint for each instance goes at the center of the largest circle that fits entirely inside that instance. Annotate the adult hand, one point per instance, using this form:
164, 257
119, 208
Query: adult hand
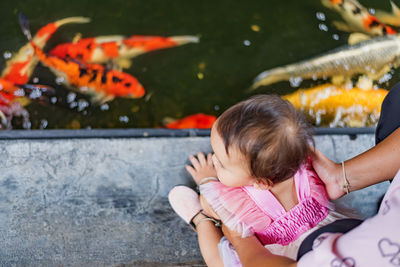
330, 173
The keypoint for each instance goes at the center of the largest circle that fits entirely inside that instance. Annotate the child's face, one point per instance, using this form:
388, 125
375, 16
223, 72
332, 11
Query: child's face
232, 170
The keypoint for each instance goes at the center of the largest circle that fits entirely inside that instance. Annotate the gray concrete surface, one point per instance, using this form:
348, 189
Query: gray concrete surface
103, 202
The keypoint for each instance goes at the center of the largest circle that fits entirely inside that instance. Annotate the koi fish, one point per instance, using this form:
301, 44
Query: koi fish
199, 121
102, 49
92, 79
372, 57
10, 91
338, 106
357, 18
20, 67
391, 19
13, 98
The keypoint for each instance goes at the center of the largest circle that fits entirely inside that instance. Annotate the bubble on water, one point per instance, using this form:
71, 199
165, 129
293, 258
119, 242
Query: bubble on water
295, 81
335, 37
371, 11
385, 78
53, 100
82, 104
105, 107
71, 97
323, 27
43, 124
19, 92
246, 42
36, 93
73, 104
320, 16
60, 80
7, 55
27, 124
124, 119
35, 80
216, 107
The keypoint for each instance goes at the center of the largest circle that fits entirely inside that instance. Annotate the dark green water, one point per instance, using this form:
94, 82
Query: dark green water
230, 54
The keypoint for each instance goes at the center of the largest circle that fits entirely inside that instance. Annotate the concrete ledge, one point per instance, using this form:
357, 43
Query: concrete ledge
103, 202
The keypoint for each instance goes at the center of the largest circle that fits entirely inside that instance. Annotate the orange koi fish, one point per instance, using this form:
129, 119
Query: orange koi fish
357, 18
91, 79
335, 106
199, 121
105, 48
20, 67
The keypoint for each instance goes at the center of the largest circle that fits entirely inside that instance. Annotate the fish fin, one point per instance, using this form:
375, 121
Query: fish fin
148, 96
100, 99
343, 26
167, 120
112, 64
377, 74
3, 118
23, 101
357, 37
268, 77
364, 82
77, 38
389, 18
124, 63
395, 9
24, 23
338, 79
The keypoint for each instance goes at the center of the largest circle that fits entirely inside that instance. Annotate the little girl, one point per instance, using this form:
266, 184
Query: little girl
266, 185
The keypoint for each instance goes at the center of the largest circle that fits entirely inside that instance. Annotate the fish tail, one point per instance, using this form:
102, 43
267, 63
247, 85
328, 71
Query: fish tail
24, 23
268, 77
72, 20
185, 39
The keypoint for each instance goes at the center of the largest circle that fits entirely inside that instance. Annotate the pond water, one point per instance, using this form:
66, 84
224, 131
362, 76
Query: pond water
238, 40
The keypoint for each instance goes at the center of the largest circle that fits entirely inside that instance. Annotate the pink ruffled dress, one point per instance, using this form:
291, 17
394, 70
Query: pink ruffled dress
249, 211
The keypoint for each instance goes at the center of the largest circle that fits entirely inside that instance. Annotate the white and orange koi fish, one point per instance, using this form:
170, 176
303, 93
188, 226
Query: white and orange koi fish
357, 18
20, 67
105, 48
92, 79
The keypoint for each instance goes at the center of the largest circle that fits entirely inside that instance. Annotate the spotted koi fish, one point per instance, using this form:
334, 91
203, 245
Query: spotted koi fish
199, 121
335, 106
92, 79
20, 67
357, 18
105, 48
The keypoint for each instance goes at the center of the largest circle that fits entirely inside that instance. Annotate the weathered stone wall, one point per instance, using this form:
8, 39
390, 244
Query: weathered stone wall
103, 202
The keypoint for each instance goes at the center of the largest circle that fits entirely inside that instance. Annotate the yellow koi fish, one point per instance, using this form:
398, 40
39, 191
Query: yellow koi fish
337, 106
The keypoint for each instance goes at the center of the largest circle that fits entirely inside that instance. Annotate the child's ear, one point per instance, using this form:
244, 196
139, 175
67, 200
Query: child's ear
263, 184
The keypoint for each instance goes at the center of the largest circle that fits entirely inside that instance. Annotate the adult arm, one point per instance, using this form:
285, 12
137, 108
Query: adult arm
376, 165
252, 253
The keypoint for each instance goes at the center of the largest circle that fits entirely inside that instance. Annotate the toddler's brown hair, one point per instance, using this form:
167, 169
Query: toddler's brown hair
270, 133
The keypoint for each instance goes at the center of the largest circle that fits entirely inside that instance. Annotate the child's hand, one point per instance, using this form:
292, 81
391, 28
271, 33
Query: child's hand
202, 167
